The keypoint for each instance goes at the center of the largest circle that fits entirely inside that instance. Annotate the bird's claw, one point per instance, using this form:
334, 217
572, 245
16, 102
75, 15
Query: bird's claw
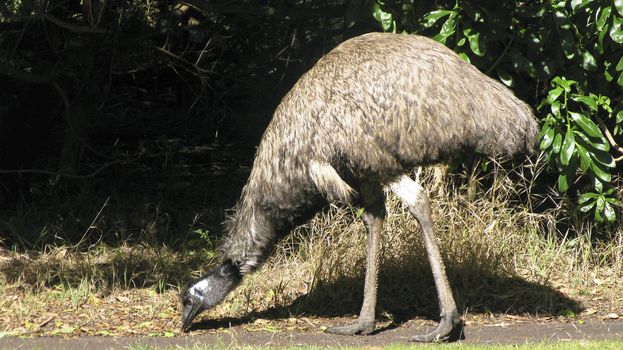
450, 328
359, 327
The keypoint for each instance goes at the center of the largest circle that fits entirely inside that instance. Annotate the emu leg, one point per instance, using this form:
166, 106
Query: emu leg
414, 196
373, 216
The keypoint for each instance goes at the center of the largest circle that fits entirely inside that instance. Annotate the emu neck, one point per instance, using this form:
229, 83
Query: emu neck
269, 208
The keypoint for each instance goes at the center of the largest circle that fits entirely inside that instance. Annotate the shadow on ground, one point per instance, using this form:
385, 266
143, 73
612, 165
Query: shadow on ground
409, 293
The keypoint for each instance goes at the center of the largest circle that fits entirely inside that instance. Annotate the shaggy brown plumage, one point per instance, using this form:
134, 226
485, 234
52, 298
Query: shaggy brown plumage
375, 106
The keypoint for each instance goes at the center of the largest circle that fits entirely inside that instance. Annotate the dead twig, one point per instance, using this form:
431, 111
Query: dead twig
610, 139
73, 27
60, 174
46, 321
12, 72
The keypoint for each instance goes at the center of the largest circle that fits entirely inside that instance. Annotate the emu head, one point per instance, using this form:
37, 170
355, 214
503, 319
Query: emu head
208, 291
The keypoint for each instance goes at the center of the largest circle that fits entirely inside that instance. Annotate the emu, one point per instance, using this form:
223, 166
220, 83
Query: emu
371, 109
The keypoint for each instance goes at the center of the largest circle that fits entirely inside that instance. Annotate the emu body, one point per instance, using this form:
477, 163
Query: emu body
373, 108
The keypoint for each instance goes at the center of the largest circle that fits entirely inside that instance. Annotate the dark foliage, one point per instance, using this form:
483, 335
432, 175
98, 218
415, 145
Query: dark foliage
142, 98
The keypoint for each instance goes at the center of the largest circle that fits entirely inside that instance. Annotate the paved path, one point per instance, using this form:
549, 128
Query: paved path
521, 333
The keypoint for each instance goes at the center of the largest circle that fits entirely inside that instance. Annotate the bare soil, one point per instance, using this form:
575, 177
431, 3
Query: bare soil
263, 333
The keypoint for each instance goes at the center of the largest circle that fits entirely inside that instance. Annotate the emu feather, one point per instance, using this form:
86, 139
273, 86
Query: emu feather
329, 183
373, 108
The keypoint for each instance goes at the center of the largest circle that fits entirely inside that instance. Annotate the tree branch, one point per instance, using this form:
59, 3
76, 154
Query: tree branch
281, 13
12, 72
60, 174
4, 26
610, 139
73, 27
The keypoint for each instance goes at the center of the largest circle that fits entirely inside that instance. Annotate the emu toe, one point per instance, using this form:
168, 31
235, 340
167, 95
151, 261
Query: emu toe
359, 327
450, 328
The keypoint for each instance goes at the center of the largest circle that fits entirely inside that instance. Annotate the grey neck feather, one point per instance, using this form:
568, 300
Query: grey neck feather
261, 218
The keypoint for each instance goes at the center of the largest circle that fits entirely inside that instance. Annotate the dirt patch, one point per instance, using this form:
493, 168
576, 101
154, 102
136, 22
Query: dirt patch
501, 333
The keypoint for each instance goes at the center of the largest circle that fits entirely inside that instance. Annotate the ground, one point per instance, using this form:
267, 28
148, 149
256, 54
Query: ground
308, 332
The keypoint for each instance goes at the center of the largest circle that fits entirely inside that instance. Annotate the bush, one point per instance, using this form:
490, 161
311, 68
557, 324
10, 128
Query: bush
566, 57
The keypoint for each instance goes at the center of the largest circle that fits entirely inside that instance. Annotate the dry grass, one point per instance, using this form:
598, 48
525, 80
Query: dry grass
500, 255
505, 255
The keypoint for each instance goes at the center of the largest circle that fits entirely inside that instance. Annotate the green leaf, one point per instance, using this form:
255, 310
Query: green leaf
474, 41
587, 100
603, 102
616, 32
563, 182
609, 192
588, 61
568, 147
359, 212
577, 5
618, 4
609, 212
585, 157
553, 94
506, 78
599, 207
432, 17
603, 17
619, 117
547, 138
447, 29
598, 184
464, 57
587, 201
385, 18
587, 206
587, 125
600, 203
585, 197
620, 80
476, 45
545, 68
557, 143
619, 66
563, 82
608, 76
603, 158
555, 107
602, 174
592, 145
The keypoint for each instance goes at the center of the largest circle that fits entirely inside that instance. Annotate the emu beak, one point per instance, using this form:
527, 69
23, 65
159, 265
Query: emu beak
189, 313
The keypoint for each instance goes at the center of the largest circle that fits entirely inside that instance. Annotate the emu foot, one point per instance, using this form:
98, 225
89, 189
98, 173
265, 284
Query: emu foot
450, 328
359, 327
